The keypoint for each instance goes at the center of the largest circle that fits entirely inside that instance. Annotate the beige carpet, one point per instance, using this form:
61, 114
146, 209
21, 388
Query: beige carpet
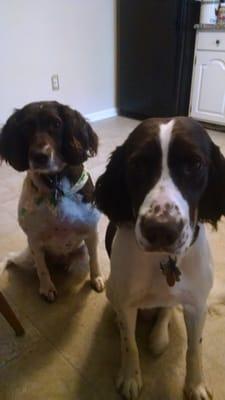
71, 348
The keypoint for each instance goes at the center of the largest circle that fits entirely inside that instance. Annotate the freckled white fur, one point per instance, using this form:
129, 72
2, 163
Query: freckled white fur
165, 191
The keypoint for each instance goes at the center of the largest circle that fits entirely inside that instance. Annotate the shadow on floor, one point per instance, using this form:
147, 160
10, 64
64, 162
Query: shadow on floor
163, 376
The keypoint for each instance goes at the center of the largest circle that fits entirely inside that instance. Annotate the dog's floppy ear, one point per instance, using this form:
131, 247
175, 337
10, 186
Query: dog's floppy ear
79, 140
14, 143
111, 192
212, 203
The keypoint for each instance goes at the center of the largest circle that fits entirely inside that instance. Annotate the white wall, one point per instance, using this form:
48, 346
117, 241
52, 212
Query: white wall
73, 38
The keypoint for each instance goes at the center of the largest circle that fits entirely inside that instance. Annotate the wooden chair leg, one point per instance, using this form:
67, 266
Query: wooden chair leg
10, 316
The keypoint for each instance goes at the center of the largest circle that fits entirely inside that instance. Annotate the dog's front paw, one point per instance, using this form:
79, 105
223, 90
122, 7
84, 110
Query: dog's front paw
98, 283
4, 263
48, 291
198, 392
11, 259
129, 384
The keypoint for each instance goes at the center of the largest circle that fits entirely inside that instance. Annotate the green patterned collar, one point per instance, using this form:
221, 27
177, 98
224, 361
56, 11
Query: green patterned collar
81, 182
57, 191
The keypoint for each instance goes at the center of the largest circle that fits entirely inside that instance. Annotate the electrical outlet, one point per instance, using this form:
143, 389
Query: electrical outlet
55, 82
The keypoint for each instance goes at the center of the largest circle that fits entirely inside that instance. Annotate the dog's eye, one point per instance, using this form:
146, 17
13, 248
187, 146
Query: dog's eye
192, 166
57, 123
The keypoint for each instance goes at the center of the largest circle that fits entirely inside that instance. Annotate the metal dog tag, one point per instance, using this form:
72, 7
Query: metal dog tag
171, 271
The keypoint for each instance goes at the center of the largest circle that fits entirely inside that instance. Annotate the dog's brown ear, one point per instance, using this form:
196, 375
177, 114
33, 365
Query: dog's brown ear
79, 141
14, 143
212, 203
111, 191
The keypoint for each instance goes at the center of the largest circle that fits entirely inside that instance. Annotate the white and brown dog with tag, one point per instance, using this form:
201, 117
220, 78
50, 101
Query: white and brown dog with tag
159, 188
51, 142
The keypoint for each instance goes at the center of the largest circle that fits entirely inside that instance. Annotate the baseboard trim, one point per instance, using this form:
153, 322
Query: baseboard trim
212, 126
103, 114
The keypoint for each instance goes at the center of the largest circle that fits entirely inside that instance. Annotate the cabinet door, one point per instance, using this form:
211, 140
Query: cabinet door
208, 87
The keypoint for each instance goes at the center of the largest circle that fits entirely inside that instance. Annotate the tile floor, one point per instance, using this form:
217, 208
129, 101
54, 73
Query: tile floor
71, 348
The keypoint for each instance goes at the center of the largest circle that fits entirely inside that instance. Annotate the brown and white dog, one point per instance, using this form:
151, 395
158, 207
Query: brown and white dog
51, 141
159, 187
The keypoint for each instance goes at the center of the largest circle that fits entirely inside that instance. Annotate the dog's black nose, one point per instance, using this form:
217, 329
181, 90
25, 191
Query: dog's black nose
160, 233
39, 158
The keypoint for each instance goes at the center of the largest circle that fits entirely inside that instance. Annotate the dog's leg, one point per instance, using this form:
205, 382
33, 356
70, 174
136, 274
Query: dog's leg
97, 280
47, 287
129, 380
159, 336
195, 388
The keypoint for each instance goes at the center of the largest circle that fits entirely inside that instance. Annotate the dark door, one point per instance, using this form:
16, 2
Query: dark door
155, 56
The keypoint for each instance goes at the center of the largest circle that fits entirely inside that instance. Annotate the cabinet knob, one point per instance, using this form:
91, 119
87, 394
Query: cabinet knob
217, 42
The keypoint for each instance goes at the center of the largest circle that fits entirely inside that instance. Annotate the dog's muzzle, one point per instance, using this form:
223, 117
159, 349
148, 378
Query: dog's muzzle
40, 157
162, 228
45, 160
161, 233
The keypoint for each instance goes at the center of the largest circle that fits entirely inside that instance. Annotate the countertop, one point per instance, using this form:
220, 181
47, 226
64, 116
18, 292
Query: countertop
210, 27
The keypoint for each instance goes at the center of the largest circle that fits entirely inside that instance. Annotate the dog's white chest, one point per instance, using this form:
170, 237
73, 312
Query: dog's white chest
137, 280
61, 224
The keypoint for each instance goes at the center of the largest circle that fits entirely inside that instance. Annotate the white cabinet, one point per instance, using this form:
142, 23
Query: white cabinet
208, 83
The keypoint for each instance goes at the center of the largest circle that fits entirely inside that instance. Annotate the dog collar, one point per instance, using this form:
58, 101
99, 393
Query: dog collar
196, 232
81, 182
57, 190
54, 184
